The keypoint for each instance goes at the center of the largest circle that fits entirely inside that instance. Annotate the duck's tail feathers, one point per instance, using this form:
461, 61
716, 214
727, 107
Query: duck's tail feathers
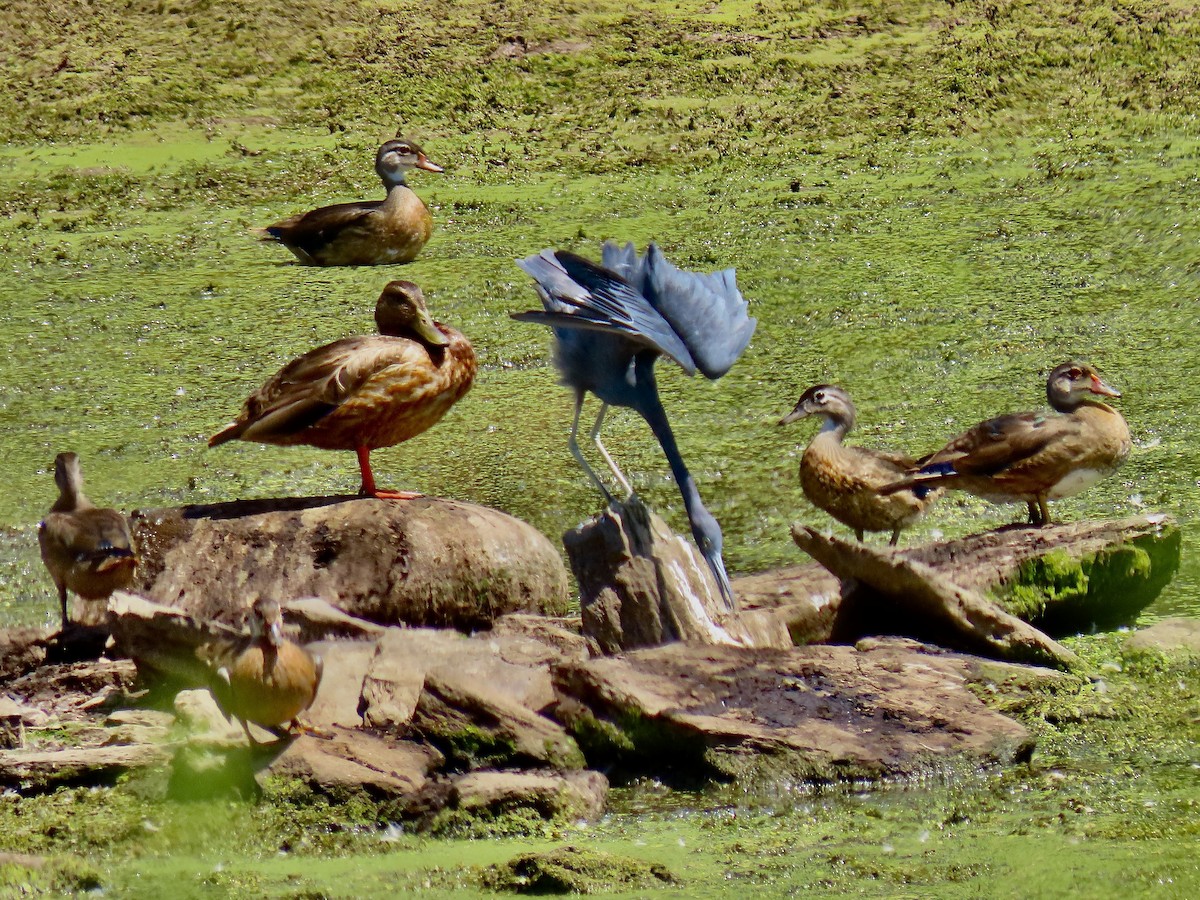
230, 432
922, 482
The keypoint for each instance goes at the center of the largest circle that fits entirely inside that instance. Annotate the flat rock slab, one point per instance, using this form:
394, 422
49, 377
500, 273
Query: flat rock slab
45, 768
478, 699
822, 714
352, 761
1169, 635
427, 561
1065, 579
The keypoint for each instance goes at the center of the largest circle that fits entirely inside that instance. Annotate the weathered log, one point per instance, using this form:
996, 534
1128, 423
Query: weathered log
1065, 579
934, 607
426, 561
640, 585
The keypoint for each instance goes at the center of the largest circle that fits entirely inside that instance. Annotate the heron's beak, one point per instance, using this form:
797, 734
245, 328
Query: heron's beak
1103, 388
718, 569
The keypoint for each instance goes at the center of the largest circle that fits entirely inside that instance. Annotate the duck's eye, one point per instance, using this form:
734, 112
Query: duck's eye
819, 396
1075, 374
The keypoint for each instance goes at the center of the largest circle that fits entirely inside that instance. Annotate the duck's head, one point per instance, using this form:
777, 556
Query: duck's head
1074, 383
266, 621
67, 473
826, 400
398, 156
400, 312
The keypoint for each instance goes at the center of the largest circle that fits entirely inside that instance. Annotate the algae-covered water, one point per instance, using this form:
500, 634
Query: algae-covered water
931, 204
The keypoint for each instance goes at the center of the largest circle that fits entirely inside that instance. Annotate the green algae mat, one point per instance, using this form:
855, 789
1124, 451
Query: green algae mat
929, 203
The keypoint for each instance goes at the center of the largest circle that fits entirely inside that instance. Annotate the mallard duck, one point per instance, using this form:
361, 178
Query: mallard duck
267, 679
87, 550
845, 481
363, 393
364, 232
1035, 457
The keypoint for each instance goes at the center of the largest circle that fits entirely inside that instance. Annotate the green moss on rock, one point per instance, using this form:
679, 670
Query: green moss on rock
574, 870
1062, 594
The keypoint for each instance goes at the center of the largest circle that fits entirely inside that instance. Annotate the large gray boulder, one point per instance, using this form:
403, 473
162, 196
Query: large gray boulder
426, 561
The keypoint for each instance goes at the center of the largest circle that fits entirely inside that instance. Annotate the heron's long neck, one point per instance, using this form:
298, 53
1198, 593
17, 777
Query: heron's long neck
656, 417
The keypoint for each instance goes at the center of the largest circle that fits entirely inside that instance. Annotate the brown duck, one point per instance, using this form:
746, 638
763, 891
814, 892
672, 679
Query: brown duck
267, 679
364, 232
87, 550
1034, 457
845, 481
363, 393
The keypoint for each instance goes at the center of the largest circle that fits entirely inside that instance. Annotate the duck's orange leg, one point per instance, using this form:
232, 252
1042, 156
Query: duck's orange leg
368, 480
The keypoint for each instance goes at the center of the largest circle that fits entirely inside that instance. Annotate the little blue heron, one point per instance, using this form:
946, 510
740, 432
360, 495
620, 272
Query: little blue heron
611, 323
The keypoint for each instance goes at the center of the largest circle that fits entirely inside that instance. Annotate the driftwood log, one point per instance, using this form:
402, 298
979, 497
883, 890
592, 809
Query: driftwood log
641, 585
1064, 579
932, 605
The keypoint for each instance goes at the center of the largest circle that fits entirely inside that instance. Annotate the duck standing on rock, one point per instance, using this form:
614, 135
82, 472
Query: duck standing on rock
86, 549
267, 679
363, 393
1034, 457
845, 481
611, 324
364, 232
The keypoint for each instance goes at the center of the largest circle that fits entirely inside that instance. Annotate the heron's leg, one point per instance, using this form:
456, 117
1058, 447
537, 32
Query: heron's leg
578, 454
621, 479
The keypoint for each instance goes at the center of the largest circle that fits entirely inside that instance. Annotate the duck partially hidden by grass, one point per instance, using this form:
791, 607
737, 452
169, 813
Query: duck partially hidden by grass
267, 680
364, 232
1034, 457
363, 393
86, 549
843, 480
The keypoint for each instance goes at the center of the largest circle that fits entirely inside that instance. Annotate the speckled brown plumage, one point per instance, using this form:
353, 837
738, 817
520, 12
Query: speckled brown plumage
844, 481
363, 393
1035, 457
267, 679
86, 549
364, 232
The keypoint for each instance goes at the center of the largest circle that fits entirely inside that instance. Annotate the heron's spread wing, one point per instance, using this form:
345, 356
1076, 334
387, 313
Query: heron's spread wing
580, 294
706, 311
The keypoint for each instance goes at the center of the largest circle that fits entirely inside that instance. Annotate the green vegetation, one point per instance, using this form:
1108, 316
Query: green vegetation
929, 202
1056, 591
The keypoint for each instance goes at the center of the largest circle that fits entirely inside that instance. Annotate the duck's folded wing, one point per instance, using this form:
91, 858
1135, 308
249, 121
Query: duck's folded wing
310, 388
998, 444
318, 226
707, 311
